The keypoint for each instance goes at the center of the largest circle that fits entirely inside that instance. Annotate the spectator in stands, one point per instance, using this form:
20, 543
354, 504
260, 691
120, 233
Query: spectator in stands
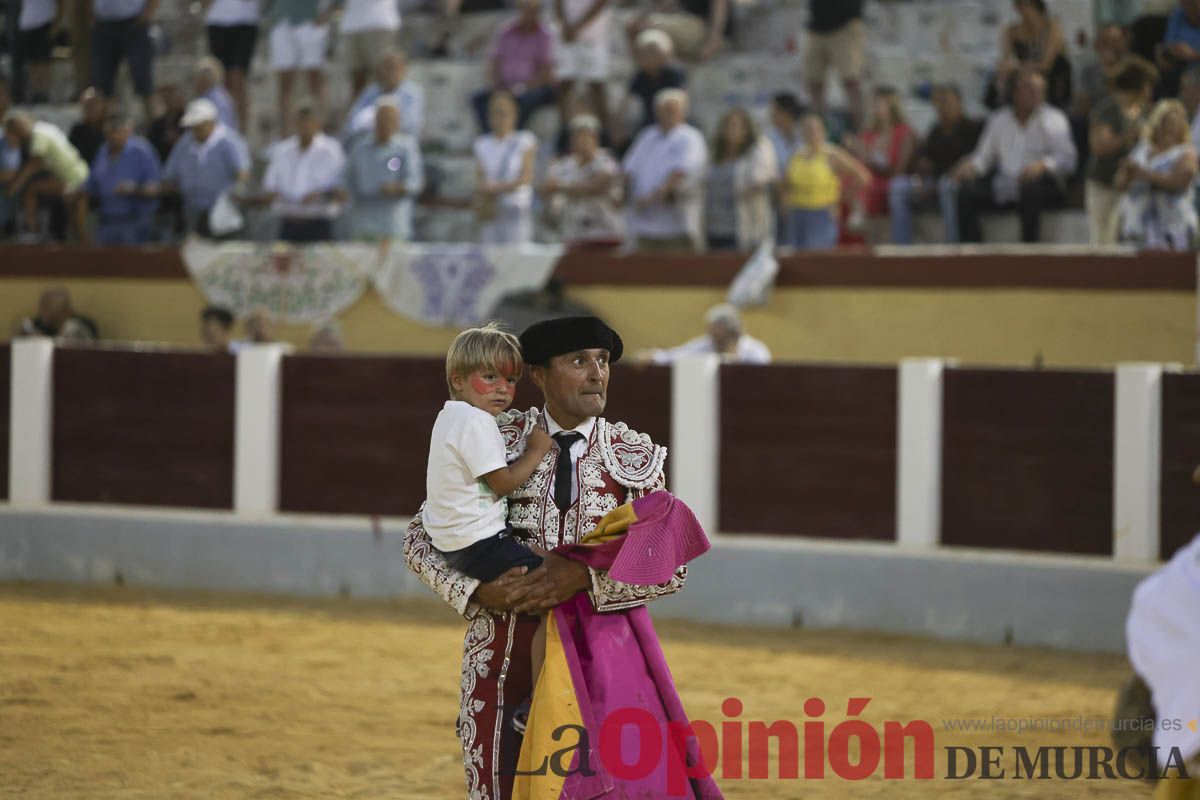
504, 161
952, 138
384, 174
741, 175
1158, 179
258, 327
724, 337
216, 329
208, 162
232, 28
165, 129
1116, 126
368, 29
125, 180
54, 311
327, 338
299, 40
1024, 158
653, 52
391, 81
52, 170
1181, 46
1111, 45
837, 39
1036, 42
39, 21
122, 33
10, 162
784, 134
664, 171
812, 188
521, 64
209, 83
80, 19
582, 54
304, 182
87, 135
1189, 95
698, 28
583, 188
886, 146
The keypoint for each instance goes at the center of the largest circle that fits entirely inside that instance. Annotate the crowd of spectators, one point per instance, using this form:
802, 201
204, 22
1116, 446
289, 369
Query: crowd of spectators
1107, 131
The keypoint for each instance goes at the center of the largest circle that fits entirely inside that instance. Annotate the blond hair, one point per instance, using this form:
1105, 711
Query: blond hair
486, 347
1161, 109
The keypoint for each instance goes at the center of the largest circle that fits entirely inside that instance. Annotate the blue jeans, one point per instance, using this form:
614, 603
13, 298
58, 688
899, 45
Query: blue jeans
124, 231
907, 191
810, 229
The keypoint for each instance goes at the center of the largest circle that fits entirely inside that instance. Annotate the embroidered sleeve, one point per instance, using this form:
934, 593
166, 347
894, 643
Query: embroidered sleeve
428, 564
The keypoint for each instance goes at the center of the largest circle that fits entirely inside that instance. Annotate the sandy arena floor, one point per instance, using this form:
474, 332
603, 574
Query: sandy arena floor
123, 693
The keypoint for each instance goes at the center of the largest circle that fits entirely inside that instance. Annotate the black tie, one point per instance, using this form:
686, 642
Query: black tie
564, 468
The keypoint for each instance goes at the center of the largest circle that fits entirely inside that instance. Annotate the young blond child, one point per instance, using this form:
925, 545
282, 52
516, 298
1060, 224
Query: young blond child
468, 477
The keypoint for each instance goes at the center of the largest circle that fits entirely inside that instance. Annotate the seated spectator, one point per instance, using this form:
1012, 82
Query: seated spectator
664, 171
165, 128
1023, 159
55, 310
121, 32
38, 22
368, 28
232, 30
209, 84
53, 169
125, 179
698, 28
521, 64
653, 53
1116, 126
1036, 42
583, 188
208, 162
1110, 47
87, 135
1156, 211
391, 82
812, 188
837, 39
741, 174
582, 54
504, 162
951, 139
886, 146
724, 337
327, 338
1181, 46
299, 42
304, 182
384, 175
216, 329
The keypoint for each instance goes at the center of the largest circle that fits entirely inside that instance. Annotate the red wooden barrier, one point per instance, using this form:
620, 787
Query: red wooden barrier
1180, 497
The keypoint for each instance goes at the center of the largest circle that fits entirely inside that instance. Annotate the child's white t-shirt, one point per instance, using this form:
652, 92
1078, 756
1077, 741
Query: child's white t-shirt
460, 508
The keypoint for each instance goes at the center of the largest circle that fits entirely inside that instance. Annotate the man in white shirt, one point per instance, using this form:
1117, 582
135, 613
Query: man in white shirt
304, 182
724, 337
582, 53
664, 169
1024, 159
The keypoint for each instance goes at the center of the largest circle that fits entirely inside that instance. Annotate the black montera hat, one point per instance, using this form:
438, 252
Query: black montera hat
544, 340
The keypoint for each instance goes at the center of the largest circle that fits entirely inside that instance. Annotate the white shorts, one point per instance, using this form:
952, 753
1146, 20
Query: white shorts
298, 46
587, 59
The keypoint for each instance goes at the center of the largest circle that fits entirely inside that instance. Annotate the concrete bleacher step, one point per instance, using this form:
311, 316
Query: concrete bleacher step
1063, 226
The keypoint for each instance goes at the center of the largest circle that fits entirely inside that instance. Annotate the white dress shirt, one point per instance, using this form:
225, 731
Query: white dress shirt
749, 351
294, 173
578, 448
654, 156
1009, 147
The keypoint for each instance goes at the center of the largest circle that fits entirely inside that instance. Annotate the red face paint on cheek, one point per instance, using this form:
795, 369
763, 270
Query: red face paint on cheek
484, 387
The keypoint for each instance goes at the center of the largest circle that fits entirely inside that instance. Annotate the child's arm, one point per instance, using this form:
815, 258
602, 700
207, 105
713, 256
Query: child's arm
506, 479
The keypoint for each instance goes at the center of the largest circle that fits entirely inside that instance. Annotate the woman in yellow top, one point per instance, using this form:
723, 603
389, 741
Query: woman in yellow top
812, 188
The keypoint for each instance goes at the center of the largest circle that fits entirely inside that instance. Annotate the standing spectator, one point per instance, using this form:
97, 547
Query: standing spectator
166, 128
122, 33
698, 28
653, 52
39, 22
784, 133
521, 64
299, 41
952, 138
1035, 41
886, 146
125, 179
812, 189
53, 170
368, 28
209, 83
664, 171
1028, 146
232, 29
1181, 47
1158, 179
87, 135
259, 328
504, 162
583, 188
737, 193
216, 329
392, 82
583, 53
209, 161
1111, 45
724, 336
837, 39
80, 19
1116, 126
10, 162
1189, 95
384, 175
304, 181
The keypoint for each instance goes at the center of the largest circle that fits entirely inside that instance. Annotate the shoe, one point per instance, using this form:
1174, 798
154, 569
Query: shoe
521, 717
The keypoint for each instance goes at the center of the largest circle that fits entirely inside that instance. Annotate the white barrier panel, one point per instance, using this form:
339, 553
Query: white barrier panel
256, 437
695, 435
1137, 447
919, 453
31, 411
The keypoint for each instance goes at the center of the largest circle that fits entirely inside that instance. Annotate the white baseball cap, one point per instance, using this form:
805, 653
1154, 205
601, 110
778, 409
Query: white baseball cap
198, 111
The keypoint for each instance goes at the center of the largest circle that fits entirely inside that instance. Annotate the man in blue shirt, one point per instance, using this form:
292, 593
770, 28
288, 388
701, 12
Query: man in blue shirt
125, 177
384, 175
122, 33
409, 99
207, 161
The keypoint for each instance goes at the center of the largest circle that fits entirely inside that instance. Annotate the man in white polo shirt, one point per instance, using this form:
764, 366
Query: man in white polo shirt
304, 182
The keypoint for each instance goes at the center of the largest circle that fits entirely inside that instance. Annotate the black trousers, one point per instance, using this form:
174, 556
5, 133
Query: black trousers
299, 230
1035, 197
